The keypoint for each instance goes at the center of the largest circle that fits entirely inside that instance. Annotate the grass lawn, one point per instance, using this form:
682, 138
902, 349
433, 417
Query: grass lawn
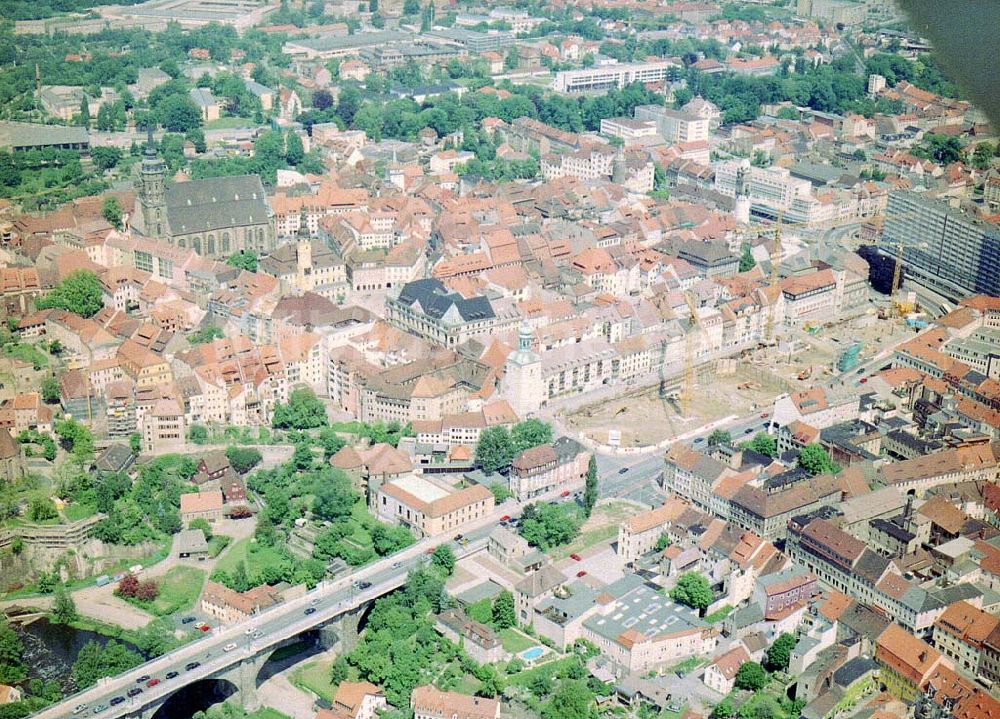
549, 669
179, 590
584, 541
227, 123
516, 642
217, 543
315, 677
687, 666
481, 611
719, 615
267, 713
27, 353
352, 427
75, 512
263, 557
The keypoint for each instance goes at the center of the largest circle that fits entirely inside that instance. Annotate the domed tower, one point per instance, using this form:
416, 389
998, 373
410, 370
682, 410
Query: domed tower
151, 204
522, 383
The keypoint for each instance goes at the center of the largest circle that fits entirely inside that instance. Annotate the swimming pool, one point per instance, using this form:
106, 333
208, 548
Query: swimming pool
532, 653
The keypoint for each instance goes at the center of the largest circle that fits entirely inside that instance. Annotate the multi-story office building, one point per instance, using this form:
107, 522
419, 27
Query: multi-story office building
605, 77
674, 125
943, 248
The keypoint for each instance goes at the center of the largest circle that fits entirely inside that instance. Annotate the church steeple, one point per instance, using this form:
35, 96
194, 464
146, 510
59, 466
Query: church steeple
524, 337
151, 209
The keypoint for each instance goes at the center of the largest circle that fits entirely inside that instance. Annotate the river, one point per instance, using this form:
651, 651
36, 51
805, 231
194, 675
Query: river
50, 650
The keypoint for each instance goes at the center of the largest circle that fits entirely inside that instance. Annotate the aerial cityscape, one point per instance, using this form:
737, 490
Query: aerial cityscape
519, 359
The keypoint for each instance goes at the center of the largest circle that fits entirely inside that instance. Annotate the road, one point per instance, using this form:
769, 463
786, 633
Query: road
327, 601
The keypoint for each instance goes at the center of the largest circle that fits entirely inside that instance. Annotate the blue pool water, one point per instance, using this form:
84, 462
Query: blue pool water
532, 653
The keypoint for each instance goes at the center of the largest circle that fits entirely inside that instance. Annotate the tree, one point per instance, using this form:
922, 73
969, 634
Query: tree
178, 113
85, 111
202, 524
571, 700
530, 433
692, 590
243, 459
135, 443
111, 211
302, 456
550, 525
764, 443
80, 292
330, 441
294, 150
206, 334
444, 559
504, 616
411, 7
590, 488
13, 668
815, 460
303, 411
719, 436
751, 676
63, 607
322, 99
244, 259
198, 433
723, 710
663, 542
495, 449
50, 390
334, 498
41, 509
780, 652
96, 662
747, 262
105, 158
339, 670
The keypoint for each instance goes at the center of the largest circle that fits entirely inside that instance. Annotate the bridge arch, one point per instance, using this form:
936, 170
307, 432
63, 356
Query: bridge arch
195, 697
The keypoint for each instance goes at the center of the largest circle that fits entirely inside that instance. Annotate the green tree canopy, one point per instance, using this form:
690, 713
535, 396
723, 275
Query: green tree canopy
495, 449
444, 559
530, 433
815, 460
780, 652
751, 676
111, 210
96, 662
50, 390
303, 411
747, 262
764, 443
244, 259
550, 525
334, 497
590, 488
243, 459
80, 292
504, 616
719, 436
571, 700
692, 590
63, 607
13, 668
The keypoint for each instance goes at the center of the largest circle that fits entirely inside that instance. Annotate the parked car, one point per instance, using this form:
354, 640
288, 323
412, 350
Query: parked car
765, 415
505, 518
564, 493
576, 557
204, 627
582, 573
187, 620
191, 665
623, 470
258, 634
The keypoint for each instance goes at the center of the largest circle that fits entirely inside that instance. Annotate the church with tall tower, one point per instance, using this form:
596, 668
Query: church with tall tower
215, 216
523, 387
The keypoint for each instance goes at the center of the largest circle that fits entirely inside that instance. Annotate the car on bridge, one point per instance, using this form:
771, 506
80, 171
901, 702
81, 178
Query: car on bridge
229, 647
143, 678
115, 701
310, 610
191, 665
79, 708
99, 708
623, 470
134, 691
170, 675
152, 682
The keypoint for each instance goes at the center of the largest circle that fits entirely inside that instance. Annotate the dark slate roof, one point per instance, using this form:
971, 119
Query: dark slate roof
114, 459
853, 670
871, 566
435, 300
215, 203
